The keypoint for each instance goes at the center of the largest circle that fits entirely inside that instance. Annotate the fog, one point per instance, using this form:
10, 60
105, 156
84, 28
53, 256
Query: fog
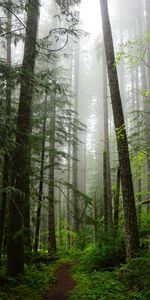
71, 117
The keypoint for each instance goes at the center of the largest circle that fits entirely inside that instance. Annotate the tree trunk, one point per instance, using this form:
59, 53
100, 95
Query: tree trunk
75, 149
27, 228
68, 187
15, 245
147, 106
105, 192
6, 166
95, 215
107, 177
51, 209
130, 218
116, 202
138, 131
38, 214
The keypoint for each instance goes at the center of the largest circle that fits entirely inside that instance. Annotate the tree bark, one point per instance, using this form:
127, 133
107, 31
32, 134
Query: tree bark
130, 218
15, 245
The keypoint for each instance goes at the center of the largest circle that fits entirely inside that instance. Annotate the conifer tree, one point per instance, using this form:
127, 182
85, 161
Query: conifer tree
7, 161
15, 244
130, 218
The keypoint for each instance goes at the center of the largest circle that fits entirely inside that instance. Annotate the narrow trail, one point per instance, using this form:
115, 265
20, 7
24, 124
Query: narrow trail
64, 284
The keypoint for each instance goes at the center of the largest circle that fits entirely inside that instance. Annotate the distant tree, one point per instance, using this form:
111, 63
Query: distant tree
41, 180
146, 101
75, 149
130, 218
51, 199
106, 166
68, 208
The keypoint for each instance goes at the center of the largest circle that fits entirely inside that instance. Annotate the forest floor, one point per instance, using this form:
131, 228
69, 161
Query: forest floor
81, 276
64, 283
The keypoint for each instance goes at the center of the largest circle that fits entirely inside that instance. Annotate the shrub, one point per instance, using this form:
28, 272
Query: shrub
106, 256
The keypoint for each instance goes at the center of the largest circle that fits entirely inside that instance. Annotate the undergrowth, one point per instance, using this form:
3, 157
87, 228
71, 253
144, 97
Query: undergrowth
33, 285
105, 256
97, 285
99, 271
129, 281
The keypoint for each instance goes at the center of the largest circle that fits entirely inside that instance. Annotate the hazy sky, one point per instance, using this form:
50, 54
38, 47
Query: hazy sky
90, 14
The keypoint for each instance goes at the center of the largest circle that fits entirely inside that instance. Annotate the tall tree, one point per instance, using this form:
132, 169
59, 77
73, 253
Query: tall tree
116, 202
27, 227
15, 245
75, 150
51, 200
41, 183
107, 177
146, 102
130, 218
68, 188
6, 165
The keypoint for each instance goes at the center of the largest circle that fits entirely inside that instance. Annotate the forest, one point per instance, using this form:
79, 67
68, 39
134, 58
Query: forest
74, 150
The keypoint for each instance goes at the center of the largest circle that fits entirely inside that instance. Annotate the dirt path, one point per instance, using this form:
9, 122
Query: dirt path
64, 285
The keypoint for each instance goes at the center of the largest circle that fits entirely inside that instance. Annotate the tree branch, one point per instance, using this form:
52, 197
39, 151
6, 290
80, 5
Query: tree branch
9, 32
24, 26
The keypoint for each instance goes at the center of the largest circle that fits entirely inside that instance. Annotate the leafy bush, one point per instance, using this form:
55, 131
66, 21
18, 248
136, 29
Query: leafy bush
107, 256
136, 277
145, 230
98, 286
130, 281
31, 286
